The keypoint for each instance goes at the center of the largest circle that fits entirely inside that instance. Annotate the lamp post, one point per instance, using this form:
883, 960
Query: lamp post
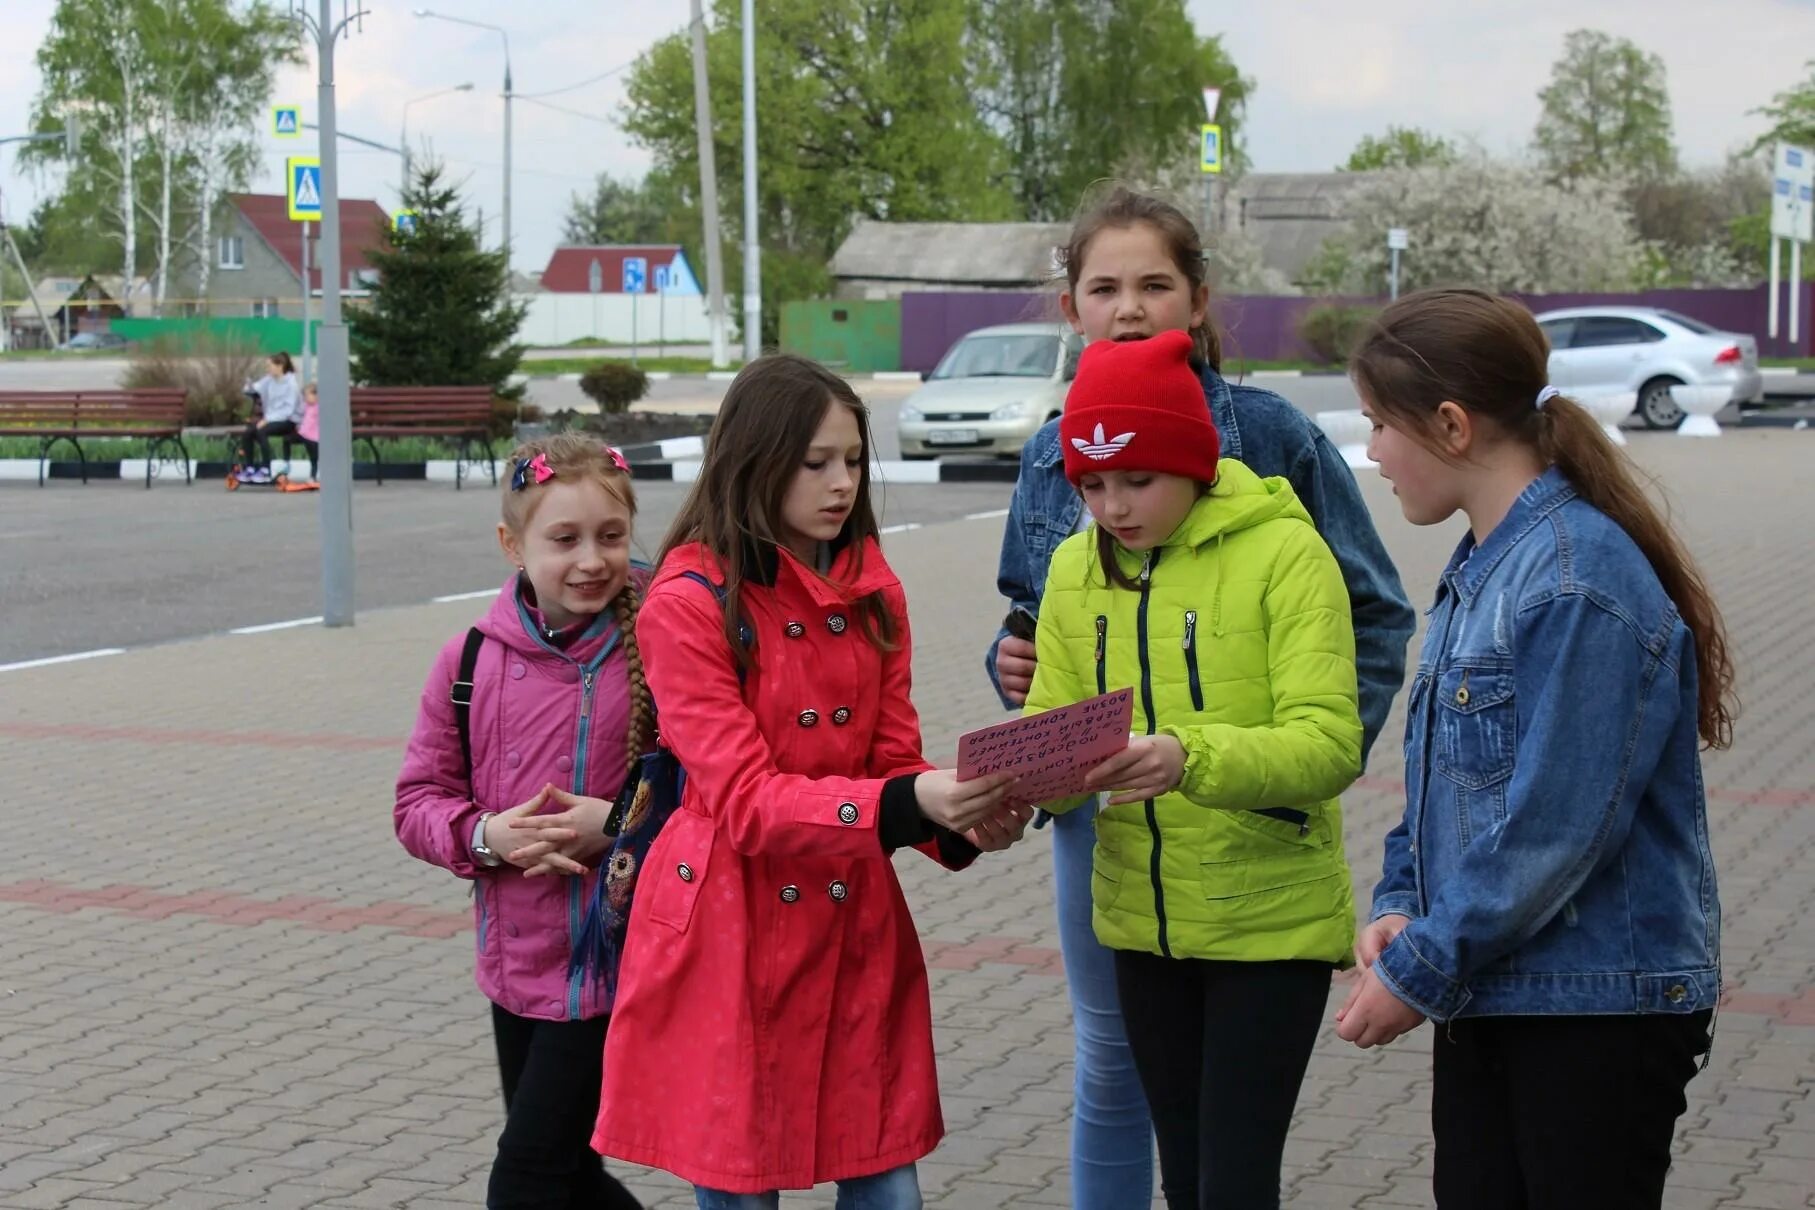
404, 140
508, 94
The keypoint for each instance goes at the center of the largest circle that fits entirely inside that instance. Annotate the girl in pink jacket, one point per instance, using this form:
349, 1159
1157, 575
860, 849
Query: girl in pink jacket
551, 686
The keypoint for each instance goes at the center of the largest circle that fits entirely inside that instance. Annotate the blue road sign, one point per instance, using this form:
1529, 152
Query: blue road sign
636, 274
303, 177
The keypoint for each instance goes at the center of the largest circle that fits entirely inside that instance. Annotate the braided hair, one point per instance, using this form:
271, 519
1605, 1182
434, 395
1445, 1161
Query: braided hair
642, 705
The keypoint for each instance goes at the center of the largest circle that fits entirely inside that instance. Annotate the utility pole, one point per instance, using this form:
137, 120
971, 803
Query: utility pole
753, 273
336, 462
702, 119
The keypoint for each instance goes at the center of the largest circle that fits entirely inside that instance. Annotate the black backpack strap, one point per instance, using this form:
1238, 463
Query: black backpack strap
461, 694
745, 636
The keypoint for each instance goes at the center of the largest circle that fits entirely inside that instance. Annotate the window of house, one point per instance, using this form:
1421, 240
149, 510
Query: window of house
233, 252
264, 308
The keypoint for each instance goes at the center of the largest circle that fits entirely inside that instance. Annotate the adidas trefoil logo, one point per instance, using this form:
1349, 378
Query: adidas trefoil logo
1100, 449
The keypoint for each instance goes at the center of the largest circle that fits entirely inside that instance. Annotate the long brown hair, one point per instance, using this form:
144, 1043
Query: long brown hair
1117, 206
756, 447
1486, 354
575, 456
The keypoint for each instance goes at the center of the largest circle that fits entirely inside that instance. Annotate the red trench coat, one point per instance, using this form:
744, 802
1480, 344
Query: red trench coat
773, 1028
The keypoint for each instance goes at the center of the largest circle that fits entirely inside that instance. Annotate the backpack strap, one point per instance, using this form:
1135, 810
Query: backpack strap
460, 693
745, 636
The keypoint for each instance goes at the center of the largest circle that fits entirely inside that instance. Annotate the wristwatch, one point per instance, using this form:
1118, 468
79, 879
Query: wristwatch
486, 856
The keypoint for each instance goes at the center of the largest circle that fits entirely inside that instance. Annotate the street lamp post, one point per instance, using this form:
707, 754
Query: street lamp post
404, 140
508, 94
336, 415
753, 274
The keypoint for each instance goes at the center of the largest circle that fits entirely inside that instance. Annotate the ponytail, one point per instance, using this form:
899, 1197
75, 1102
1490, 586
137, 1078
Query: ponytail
1488, 355
1601, 473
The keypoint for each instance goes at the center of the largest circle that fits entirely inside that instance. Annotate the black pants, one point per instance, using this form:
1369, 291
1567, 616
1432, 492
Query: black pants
551, 1073
1554, 1113
1221, 1048
260, 435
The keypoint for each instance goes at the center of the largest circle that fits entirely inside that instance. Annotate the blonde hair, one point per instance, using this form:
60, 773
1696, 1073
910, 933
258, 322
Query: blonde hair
574, 456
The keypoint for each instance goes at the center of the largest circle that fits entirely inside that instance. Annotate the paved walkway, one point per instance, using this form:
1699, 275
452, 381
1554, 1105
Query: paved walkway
223, 984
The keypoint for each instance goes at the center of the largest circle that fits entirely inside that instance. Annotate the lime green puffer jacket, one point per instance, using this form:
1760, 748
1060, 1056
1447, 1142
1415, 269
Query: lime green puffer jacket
1240, 646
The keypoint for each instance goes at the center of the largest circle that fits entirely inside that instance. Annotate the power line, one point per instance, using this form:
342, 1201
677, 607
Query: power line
563, 109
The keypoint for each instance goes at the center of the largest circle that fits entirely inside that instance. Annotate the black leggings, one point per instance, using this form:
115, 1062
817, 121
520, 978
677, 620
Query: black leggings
545, 1159
1551, 1113
1221, 1049
261, 435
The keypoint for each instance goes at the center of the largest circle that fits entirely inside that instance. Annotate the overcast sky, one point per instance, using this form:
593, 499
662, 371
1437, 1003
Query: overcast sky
1327, 72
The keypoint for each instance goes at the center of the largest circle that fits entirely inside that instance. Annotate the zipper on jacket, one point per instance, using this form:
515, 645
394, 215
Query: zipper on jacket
1197, 688
1298, 819
1102, 654
575, 886
1153, 820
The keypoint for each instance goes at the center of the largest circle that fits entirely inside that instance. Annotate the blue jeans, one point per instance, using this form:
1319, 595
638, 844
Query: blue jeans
1111, 1133
896, 1189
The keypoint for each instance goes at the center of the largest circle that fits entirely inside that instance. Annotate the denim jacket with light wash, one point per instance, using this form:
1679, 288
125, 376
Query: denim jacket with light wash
1554, 854
1271, 437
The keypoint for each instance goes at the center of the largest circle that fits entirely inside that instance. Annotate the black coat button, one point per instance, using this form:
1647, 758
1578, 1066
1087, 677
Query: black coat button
796, 629
841, 716
847, 813
809, 718
836, 623
790, 893
838, 891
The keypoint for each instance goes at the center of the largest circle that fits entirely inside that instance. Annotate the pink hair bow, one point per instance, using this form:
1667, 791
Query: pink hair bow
617, 458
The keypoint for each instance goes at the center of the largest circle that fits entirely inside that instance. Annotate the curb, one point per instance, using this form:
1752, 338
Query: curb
900, 474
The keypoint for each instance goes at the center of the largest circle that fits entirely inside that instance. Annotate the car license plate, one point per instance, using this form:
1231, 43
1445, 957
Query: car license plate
952, 437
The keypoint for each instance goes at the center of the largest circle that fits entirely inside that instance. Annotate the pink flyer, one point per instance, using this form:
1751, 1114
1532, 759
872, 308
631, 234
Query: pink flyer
1052, 750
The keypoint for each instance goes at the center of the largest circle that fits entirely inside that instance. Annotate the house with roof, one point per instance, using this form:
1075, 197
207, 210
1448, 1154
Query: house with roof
256, 261
881, 260
602, 269
72, 305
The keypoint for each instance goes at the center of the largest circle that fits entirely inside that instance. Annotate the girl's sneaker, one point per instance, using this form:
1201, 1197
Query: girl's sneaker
262, 475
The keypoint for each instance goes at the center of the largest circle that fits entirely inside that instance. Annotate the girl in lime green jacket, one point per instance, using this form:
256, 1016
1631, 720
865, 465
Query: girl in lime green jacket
1219, 877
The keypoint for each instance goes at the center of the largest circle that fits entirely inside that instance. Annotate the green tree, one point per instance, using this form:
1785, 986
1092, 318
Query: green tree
1400, 147
441, 313
1606, 111
1792, 114
1051, 79
620, 212
168, 91
856, 118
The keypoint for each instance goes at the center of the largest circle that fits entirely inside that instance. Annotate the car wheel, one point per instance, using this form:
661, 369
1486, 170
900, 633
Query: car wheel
1656, 408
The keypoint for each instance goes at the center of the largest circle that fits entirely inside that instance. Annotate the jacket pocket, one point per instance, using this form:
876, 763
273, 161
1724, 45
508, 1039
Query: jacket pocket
1197, 686
1249, 852
1477, 726
676, 870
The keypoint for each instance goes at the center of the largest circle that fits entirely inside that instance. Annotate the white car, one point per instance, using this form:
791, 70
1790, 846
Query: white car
1648, 350
991, 392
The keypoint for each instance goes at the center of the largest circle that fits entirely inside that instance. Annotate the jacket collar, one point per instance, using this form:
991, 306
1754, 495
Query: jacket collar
856, 570
1222, 414
1471, 565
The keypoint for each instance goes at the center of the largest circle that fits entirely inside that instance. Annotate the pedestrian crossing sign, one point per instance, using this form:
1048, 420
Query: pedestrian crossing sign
303, 175
404, 222
1210, 153
286, 121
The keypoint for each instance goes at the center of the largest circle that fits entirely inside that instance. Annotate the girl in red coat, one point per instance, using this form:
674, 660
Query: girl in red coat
773, 1028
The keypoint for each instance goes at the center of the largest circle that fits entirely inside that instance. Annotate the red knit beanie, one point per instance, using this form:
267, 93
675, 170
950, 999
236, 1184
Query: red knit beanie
1138, 405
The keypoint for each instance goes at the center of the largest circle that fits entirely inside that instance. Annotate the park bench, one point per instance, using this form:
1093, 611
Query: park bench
462, 414
66, 417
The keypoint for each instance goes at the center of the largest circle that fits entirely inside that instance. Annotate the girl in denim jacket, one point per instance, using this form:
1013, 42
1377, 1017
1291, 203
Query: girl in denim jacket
1549, 896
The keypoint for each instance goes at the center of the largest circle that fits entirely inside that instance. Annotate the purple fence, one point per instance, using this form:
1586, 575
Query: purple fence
1265, 327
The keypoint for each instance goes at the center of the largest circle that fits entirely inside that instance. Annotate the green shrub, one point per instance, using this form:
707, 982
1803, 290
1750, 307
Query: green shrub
614, 385
1331, 330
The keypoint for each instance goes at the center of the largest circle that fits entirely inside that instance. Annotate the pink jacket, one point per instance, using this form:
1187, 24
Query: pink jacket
538, 716
309, 427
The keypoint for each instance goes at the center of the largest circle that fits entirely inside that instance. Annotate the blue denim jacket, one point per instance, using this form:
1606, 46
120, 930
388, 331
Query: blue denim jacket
1273, 438
1554, 852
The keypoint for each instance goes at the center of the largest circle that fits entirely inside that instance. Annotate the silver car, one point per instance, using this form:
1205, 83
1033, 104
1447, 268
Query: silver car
991, 392
1648, 350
